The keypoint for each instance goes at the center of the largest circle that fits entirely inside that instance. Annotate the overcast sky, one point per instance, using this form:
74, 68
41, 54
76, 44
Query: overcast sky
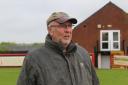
24, 21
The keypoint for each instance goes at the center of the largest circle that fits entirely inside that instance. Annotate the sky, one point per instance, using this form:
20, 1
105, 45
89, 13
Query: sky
24, 21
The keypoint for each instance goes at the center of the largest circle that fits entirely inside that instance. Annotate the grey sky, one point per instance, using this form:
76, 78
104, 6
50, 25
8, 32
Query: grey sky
24, 21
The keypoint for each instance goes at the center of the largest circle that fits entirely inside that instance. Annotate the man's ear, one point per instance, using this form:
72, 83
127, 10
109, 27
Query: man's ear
50, 31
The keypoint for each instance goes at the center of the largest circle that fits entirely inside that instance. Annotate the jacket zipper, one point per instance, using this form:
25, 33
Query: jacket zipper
70, 70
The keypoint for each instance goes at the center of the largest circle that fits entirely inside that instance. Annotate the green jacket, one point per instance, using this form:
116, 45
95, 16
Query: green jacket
49, 65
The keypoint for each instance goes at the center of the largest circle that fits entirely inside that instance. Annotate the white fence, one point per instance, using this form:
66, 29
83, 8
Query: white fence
11, 60
121, 60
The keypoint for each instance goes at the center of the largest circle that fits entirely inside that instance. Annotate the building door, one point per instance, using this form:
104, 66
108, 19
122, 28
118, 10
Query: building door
105, 62
110, 40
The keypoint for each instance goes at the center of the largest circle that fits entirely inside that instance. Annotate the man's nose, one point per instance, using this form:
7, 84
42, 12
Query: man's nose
68, 30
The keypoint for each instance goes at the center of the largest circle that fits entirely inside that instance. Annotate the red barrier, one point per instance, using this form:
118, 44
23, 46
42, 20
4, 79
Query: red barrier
13, 54
92, 56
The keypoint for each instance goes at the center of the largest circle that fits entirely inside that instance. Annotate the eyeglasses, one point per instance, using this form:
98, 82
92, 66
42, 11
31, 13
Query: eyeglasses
63, 26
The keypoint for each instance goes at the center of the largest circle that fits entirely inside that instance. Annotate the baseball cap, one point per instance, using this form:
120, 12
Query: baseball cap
61, 17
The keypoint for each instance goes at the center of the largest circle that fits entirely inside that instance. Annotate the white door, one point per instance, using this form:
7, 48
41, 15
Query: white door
105, 62
109, 40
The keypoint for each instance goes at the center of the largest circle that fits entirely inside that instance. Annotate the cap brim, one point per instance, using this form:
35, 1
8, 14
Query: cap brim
63, 20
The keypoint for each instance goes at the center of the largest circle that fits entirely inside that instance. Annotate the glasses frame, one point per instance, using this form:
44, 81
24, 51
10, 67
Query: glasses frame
62, 26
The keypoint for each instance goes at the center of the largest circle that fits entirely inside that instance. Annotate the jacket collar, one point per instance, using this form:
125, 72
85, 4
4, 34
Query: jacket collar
58, 47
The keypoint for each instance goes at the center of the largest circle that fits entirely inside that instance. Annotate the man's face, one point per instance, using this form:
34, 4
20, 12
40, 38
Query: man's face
61, 33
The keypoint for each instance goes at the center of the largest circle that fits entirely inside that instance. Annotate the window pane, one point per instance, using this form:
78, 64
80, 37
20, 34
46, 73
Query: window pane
104, 45
115, 45
115, 36
105, 37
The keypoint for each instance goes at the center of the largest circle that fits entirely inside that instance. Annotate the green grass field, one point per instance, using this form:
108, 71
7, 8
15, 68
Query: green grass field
113, 77
8, 76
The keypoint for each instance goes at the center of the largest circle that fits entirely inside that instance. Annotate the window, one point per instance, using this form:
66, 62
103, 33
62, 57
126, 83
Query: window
109, 40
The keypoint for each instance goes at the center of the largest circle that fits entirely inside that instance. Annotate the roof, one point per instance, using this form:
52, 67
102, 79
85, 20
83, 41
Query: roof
108, 5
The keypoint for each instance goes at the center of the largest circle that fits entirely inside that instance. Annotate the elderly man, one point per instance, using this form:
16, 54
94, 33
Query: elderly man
59, 61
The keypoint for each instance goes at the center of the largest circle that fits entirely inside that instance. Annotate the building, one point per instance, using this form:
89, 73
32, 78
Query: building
104, 32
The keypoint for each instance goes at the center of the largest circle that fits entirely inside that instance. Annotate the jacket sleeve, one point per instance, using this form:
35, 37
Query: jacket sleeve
28, 75
95, 80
